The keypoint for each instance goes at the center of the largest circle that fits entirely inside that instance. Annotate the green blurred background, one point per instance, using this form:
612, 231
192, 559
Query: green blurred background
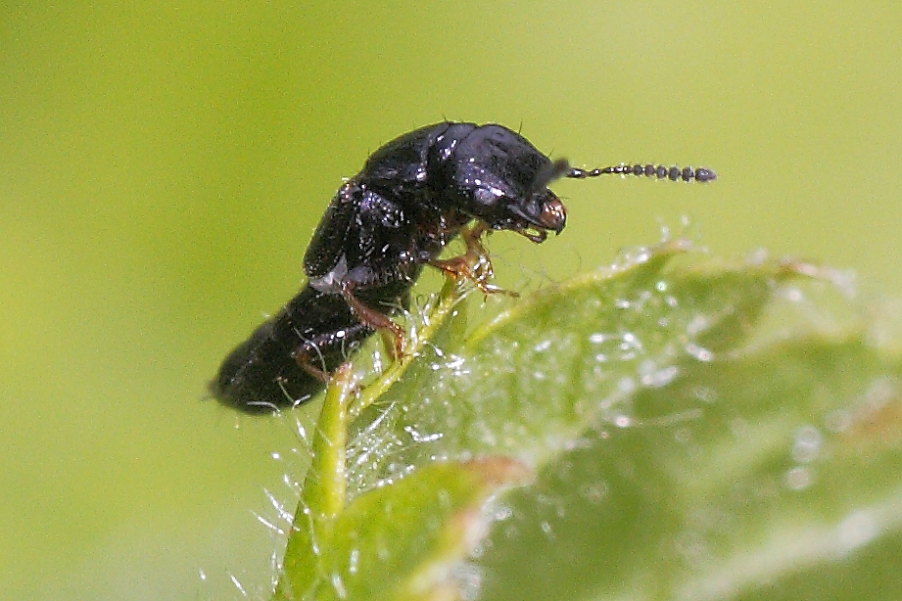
161, 170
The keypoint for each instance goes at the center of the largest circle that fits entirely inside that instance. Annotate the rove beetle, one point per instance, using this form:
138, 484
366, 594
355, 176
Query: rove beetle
413, 196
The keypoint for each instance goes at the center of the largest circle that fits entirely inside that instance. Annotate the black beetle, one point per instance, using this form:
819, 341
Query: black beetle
413, 196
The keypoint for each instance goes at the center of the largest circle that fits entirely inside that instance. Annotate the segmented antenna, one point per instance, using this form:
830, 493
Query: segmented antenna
686, 174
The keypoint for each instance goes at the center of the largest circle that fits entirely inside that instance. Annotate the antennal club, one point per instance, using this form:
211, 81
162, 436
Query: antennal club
674, 173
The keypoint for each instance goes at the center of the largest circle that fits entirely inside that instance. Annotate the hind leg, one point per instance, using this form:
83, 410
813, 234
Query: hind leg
323, 353
375, 319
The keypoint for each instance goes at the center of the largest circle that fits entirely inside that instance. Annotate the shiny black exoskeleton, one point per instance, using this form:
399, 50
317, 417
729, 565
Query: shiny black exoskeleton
413, 196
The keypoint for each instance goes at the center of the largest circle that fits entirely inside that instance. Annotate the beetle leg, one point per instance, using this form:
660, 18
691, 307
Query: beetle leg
461, 267
474, 265
318, 355
377, 320
306, 362
310, 354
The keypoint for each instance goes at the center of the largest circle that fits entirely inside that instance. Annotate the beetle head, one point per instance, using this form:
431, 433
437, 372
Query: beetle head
500, 178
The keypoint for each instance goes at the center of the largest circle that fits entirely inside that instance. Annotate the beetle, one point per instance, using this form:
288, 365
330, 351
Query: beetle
414, 195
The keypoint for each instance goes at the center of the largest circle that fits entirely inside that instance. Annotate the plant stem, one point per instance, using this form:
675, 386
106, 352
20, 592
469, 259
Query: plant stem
324, 493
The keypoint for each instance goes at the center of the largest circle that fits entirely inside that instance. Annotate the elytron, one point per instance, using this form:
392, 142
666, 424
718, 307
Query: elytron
414, 195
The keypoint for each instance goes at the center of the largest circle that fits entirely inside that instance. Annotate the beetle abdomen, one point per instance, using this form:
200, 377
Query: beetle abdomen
264, 372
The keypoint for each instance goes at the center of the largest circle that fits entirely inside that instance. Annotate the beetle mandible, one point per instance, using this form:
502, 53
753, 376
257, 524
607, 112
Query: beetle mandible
414, 195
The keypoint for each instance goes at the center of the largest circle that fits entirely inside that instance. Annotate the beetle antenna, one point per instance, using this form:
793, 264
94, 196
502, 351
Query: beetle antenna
674, 173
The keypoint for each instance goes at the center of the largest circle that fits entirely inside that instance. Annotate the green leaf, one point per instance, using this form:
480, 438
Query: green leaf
403, 540
400, 541
700, 430
771, 475
528, 383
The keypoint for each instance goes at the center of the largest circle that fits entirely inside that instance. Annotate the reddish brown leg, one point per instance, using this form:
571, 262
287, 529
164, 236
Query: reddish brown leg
376, 320
304, 362
474, 265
